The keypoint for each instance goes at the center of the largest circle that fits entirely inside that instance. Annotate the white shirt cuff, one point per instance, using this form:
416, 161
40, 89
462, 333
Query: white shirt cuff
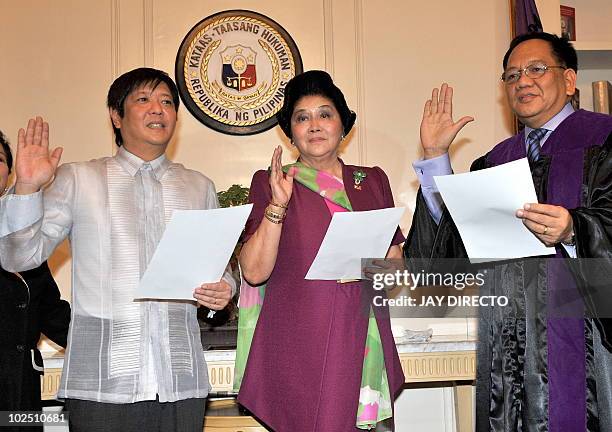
571, 250
20, 211
426, 169
227, 277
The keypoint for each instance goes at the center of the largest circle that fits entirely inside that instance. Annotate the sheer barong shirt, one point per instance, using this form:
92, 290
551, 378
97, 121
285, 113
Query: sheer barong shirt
114, 211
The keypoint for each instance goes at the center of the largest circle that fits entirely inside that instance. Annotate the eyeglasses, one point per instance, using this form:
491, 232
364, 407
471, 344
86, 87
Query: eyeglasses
533, 71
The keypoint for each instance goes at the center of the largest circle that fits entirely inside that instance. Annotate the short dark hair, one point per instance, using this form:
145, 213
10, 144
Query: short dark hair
130, 81
7, 151
561, 48
311, 83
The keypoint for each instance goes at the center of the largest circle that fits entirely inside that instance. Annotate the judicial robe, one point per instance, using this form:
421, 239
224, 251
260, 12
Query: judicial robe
537, 370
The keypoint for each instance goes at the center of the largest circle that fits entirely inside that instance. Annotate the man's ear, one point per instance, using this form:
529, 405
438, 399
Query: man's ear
115, 118
569, 76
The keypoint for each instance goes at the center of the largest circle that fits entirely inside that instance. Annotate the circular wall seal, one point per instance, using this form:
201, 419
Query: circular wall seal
232, 69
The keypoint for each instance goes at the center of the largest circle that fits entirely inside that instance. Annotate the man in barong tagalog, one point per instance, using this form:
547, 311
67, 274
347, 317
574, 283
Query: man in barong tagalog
537, 370
130, 365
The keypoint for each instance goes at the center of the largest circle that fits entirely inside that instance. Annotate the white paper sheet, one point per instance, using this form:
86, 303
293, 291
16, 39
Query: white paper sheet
483, 205
195, 249
350, 237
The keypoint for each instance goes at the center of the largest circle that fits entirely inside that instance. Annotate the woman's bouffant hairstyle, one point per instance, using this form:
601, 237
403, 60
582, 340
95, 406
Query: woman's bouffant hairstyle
313, 83
7, 151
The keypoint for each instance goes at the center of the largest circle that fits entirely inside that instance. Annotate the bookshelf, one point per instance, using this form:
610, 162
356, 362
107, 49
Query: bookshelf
593, 40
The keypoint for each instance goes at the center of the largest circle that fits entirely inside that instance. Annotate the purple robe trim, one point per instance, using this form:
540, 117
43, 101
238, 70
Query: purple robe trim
565, 333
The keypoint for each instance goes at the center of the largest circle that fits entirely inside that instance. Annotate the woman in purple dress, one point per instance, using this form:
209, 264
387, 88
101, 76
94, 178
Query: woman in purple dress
321, 358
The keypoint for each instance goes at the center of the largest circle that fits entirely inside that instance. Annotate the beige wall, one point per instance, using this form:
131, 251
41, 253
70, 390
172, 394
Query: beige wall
60, 56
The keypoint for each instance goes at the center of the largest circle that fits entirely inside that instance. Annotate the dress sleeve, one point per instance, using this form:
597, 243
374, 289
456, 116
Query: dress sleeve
259, 195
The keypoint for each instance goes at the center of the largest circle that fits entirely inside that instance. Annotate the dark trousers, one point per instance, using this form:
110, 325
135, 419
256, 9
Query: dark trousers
147, 416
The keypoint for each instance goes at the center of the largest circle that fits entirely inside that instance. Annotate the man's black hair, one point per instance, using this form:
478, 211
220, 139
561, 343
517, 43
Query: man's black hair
560, 47
130, 81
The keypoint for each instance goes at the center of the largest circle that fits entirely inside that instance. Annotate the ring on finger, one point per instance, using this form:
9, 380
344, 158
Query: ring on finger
545, 230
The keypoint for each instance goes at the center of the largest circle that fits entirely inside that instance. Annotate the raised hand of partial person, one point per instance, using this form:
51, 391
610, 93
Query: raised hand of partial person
551, 224
438, 130
281, 184
35, 164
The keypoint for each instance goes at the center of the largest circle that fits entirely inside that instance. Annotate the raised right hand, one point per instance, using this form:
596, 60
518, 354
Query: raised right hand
280, 184
35, 165
437, 127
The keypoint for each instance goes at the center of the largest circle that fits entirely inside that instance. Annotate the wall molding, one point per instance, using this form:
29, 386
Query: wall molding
115, 48
148, 33
448, 396
417, 367
439, 366
328, 36
221, 375
360, 81
115, 37
50, 383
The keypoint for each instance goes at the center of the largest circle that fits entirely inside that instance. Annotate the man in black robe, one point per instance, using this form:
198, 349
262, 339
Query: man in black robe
538, 368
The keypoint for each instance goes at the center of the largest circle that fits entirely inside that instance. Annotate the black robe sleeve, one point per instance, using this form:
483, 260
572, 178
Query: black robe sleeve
593, 222
593, 236
428, 240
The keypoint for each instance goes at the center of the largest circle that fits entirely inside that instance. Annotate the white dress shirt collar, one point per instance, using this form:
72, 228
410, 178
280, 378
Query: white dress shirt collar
554, 122
132, 163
